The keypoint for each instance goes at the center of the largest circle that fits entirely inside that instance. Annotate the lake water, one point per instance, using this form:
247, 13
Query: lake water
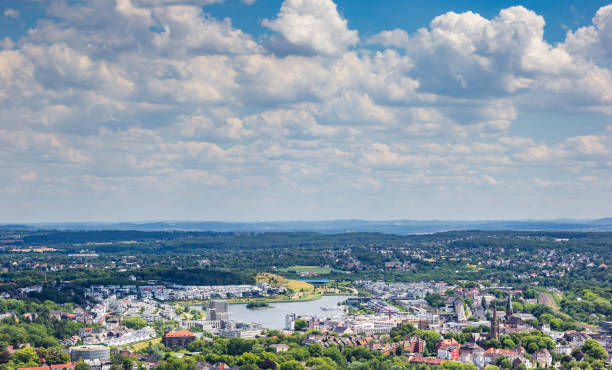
274, 318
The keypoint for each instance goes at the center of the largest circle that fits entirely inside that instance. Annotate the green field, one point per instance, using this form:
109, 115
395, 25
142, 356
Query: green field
314, 269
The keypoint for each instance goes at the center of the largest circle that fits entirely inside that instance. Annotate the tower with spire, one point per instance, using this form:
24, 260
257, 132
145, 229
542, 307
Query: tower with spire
509, 310
495, 330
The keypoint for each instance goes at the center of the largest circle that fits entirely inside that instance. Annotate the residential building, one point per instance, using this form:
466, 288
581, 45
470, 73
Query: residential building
178, 338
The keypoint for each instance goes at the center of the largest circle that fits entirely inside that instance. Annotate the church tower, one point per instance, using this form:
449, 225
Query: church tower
509, 310
495, 330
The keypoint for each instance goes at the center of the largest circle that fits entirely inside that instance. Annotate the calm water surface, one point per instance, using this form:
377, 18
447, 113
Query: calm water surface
274, 318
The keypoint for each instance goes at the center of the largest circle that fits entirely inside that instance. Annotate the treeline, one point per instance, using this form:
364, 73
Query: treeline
195, 276
589, 306
83, 278
184, 241
99, 236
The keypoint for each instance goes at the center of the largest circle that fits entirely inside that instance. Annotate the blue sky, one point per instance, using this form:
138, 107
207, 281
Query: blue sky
367, 16
371, 17
115, 110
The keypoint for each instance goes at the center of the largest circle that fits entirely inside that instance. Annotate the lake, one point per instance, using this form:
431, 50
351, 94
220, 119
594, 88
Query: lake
274, 318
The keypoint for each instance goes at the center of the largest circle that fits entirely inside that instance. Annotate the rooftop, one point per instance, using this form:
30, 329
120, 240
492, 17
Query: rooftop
181, 333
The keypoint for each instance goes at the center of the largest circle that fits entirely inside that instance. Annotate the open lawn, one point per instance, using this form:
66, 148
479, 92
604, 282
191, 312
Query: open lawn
140, 345
277, 280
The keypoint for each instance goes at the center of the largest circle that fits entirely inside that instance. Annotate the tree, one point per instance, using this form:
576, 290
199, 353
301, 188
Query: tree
134, 322
249, 367
257, 348
577, 354
238, 346
431, 337
26, 355
121, 362
300, 324
508, 344
5, 356
435, 300
82, 366
335, 354
248, 358
266, 363
594, 350
404, 330
195, 346
315, 349
321, 363
292, 365
504, 363
55, 355
452, 365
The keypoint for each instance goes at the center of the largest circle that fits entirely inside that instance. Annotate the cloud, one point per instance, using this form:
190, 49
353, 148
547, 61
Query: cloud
165, 3
394, 38
466, 54
11, 13
593, 42
184, 30
588, 145
312, 26
296, 124
159, 100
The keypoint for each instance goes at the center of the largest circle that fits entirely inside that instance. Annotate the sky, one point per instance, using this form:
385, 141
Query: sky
252, 110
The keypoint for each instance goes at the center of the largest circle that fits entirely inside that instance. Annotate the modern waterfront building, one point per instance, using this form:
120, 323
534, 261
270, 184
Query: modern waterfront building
90, 352
217, 310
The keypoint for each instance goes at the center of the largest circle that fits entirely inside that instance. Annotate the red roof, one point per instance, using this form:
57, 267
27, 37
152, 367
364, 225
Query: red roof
445, 346
178, 334
68, 365
449, 341
498, 351
425, 360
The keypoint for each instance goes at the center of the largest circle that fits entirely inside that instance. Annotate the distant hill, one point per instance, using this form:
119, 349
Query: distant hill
401, 227
15, 227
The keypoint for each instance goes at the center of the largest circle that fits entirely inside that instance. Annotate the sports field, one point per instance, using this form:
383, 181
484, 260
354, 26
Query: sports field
313, 269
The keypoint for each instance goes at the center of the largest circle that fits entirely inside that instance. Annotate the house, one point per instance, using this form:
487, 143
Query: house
563, 349
281, 347
342, 330
448, 351
414, 345
178, 338
521, 360
416, 360
447, 342
574, 338
492, 354
470, 352
542, 358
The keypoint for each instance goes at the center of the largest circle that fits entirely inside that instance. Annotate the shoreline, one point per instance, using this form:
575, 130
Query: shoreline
264, 300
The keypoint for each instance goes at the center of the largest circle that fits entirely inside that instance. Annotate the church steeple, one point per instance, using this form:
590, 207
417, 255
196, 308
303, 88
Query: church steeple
495, 330
509, 310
